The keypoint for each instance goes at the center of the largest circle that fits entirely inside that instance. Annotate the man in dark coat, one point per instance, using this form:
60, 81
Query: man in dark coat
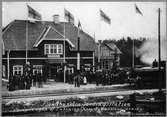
75, 81
97, 76
78, 80
11, 84
28, 74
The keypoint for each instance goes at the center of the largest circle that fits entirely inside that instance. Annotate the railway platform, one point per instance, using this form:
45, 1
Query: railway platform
62, 88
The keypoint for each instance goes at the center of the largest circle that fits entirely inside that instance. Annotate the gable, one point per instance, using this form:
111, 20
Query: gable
107, 49
53, 34
113, 47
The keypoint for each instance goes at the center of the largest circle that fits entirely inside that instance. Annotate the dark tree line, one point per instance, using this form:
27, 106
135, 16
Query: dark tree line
126, 47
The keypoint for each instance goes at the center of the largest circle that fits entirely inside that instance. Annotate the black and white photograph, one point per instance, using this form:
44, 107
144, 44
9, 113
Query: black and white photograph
89, 58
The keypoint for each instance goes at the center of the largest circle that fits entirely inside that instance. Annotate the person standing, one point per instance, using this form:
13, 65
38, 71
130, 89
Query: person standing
97, 75
84, 80
28, 74
78, 80
75, 81
11, 85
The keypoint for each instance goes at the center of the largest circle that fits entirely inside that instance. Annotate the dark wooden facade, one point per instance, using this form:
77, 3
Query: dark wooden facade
36, 55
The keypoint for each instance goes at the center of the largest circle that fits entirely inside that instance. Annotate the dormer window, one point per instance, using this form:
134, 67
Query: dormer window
53, 49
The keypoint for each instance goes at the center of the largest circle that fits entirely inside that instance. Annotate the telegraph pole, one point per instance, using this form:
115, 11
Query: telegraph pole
159, 40
159, 50
133, 52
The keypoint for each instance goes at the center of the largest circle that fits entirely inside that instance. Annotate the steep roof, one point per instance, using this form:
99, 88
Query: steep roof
14, 35
113, 47
107, 47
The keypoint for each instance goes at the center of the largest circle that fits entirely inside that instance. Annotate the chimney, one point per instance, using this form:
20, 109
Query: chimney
56, 18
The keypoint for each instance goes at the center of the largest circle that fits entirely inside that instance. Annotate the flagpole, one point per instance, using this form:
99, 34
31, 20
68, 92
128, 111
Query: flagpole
159, 50
133, 54
99, 41
133, 49
159, 40
26, 35
64, 52
94, 57
8, 63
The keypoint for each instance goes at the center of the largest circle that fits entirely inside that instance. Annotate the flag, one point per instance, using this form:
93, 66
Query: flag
105, 17
68, 16
138, 10
33, 13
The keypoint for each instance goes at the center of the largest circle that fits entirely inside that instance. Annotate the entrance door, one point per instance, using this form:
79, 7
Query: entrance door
57, 73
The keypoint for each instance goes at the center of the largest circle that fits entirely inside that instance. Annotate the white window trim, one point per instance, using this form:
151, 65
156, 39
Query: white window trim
18, 70
3, 71
45, 48
38, 69
57, 47
61, 46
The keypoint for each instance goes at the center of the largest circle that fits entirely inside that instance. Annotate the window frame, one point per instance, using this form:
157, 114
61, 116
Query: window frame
61, 48
52, 47
17, 70
35, 68
47, 48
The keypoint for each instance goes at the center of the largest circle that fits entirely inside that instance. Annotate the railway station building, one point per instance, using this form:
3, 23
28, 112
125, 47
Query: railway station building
50, 46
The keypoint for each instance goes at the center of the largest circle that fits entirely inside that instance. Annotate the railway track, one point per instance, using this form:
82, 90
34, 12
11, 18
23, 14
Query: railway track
63, 94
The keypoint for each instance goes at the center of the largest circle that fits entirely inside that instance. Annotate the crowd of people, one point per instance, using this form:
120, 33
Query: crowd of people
25, 80
30, 79
98, 77
18, 82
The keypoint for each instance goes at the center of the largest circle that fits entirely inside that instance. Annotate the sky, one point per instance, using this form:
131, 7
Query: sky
124, 19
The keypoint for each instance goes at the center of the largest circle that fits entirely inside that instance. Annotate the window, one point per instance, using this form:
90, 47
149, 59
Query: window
18, 69
46, 48
3, 71
53, 49
37, 69
105, 64
60, 49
